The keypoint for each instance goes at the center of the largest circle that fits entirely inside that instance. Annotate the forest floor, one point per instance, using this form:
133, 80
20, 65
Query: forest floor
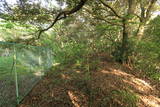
113, 85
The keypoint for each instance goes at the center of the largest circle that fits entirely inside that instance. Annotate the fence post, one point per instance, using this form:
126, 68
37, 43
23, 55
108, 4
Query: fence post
15, 74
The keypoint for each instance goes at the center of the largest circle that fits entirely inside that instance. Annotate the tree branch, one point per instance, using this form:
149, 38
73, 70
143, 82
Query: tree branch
148, 12
107, 21
142, 11
115, 13
63, 15
140, 19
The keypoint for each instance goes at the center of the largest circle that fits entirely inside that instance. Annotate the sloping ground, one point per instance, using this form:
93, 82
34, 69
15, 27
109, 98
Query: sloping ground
111, 86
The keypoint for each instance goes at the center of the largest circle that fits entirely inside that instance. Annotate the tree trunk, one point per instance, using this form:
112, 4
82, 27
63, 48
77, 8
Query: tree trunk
124, 46
140, 31
131, 11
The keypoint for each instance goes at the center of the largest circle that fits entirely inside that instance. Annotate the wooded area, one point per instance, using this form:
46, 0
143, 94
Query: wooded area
104, 53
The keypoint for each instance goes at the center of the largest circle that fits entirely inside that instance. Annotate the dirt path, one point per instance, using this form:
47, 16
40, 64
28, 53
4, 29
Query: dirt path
112, 86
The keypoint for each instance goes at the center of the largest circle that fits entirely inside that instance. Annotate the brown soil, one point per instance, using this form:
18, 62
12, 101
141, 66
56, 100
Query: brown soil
74, 88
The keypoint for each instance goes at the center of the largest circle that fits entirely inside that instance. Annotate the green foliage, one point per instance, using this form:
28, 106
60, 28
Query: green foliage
117, 51
147, 51
147, 58
122, 98
153, 30
5, 66
117, 48
9, 25
115, 98
12, 31
77, 42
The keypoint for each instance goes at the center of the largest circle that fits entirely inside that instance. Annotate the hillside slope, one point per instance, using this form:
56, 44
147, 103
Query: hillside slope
113, 85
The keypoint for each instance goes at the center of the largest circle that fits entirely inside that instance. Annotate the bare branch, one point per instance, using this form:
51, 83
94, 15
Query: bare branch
63, 15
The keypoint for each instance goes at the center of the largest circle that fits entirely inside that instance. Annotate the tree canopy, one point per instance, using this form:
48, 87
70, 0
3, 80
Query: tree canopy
125, 19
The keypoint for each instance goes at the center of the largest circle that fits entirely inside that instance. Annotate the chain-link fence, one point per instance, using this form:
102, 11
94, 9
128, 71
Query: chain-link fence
21, 67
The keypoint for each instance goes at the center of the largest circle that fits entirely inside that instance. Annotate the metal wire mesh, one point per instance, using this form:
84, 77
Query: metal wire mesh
21, 67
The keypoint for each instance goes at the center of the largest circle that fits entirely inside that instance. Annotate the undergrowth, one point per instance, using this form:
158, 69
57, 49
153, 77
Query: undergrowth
121, 98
